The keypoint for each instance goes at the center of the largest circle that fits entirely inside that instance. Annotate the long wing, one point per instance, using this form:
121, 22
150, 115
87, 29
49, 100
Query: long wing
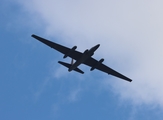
92, 62
74, 54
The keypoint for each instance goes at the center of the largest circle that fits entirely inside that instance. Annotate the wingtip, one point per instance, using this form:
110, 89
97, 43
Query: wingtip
127, 79
33, 35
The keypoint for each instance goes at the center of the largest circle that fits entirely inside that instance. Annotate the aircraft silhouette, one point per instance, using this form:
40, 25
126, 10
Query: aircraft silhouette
81, 58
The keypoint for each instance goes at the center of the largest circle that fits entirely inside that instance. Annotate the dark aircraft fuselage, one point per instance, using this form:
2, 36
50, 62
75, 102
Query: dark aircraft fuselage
85, 56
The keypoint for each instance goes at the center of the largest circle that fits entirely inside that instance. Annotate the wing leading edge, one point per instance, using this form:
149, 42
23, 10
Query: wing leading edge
74, 54
92, 62
110, 71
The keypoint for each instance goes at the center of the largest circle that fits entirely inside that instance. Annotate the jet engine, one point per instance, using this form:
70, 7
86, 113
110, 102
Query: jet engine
97, 64
69, 52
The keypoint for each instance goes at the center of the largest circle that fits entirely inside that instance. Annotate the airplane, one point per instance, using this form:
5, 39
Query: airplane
81, 58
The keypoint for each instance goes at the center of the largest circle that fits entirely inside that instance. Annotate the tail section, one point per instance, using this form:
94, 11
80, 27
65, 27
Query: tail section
69, 65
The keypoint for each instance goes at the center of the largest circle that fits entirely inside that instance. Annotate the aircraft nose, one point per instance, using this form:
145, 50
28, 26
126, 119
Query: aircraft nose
98, 45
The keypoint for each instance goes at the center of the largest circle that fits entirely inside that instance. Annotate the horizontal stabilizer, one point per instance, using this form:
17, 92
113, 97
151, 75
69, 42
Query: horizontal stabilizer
69, 65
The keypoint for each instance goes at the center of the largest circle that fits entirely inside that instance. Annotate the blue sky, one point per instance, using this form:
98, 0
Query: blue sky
35, 87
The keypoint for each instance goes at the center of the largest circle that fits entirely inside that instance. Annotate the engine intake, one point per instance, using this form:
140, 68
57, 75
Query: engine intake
69, 52
96, 65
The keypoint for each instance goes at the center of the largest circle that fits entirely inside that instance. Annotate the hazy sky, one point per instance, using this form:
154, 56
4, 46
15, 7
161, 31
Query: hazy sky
34, 86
